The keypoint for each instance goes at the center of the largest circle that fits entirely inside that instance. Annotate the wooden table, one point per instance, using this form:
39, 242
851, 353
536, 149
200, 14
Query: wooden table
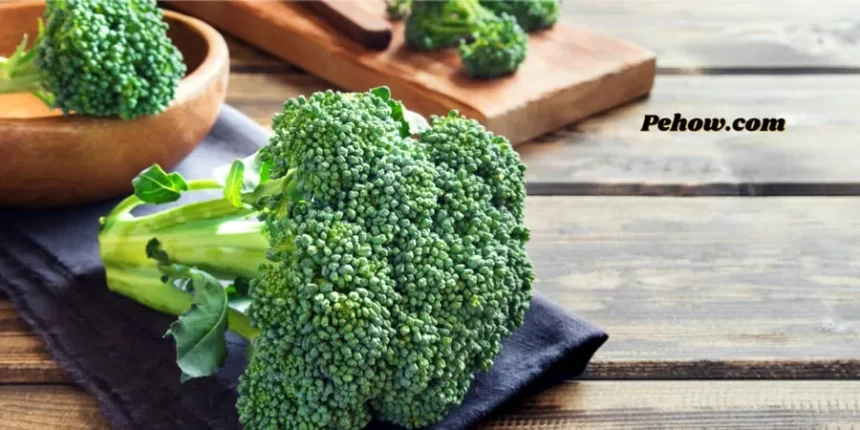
737, 308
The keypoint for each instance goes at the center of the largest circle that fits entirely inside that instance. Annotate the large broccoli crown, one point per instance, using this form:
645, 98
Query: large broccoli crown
107, 58
393, 277
374, 273
435, 25
498, 49
531, 15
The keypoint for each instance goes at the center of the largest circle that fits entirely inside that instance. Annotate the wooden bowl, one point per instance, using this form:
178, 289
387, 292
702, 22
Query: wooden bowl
47, 159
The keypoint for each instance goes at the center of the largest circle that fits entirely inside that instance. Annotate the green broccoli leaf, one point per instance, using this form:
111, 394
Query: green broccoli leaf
241, 177
199, 332
411, 123
417, 123
382, 92
155, 186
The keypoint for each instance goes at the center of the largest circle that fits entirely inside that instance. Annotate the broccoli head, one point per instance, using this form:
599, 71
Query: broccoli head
384, 270
498, 49
441, 24
531, 15
99, 58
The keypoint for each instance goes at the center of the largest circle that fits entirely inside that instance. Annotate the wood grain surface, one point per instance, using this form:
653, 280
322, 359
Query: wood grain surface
686, 405
693, 288
23, 357
735, 36
568, 74
710, 279
48, 407
712, 37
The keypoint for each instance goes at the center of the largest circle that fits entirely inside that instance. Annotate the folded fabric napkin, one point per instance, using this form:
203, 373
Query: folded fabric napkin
113, 347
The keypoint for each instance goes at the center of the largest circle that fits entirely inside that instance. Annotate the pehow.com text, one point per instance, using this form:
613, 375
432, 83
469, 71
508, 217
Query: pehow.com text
679, 123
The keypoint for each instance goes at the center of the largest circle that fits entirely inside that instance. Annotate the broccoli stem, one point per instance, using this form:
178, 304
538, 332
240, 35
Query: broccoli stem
212, 235
144, 286
19, 73
21, 84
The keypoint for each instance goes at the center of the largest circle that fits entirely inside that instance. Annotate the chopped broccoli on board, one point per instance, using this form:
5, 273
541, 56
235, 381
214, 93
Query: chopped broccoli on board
531, 15
435, 25
498, 49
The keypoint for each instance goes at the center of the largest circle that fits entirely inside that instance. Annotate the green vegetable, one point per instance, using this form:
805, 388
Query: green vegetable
498, 49
199, 332
490, 46
441, 24
374, 272
398, 9
531, 15
98, 58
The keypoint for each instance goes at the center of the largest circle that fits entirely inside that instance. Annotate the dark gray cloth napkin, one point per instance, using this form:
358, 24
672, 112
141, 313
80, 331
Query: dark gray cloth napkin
113, 347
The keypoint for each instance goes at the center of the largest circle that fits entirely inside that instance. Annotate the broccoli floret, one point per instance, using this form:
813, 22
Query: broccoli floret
98, 58
397, 9
384, 270
498, 49
441, 24
531, 15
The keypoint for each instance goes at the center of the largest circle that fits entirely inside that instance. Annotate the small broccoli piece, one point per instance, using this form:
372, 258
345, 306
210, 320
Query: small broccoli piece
398, 9
384, 270
531, 15
442, 24
99, 58
498, 49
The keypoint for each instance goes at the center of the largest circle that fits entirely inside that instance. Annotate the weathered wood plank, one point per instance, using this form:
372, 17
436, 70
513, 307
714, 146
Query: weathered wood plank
23, 357
708, 279
703, 36
591, 404
753, 405
48, 407
686, 288
816, 154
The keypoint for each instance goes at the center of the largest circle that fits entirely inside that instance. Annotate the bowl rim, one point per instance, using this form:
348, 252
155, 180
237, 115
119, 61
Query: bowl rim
208, 69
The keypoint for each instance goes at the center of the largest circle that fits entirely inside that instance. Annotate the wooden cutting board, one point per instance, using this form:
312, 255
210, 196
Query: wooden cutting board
569, 74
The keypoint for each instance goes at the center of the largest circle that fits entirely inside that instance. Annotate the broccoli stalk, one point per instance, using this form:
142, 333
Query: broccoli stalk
374, 273
18, 72
214, 235
98, 58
